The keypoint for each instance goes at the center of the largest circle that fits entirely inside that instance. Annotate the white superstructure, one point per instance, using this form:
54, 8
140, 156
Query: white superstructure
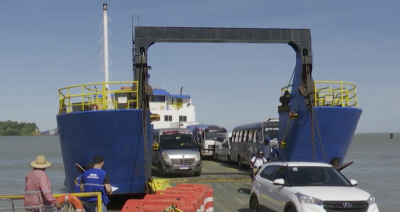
175, 110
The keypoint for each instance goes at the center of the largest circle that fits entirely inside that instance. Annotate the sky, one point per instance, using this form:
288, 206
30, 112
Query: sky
49, 44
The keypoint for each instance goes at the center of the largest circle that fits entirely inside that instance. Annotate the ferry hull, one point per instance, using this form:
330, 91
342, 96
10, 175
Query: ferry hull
335, 131
117, 135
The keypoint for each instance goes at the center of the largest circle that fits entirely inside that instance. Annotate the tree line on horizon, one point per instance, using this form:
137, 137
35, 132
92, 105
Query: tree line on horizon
13, 128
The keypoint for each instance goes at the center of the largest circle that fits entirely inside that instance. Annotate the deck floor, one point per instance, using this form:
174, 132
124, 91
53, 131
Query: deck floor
231, 186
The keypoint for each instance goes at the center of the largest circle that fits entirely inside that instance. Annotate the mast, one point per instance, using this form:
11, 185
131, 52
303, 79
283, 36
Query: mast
105, 40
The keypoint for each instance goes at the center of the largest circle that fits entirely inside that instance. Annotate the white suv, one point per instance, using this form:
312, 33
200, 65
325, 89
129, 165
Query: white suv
307, 187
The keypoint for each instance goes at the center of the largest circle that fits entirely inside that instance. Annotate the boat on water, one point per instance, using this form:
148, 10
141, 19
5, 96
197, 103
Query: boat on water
322, 128
115, 119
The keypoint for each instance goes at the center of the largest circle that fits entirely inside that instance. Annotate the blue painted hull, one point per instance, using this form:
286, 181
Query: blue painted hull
336, 127
117, 135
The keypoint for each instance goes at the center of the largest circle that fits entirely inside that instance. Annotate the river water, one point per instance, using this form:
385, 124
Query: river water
376, 166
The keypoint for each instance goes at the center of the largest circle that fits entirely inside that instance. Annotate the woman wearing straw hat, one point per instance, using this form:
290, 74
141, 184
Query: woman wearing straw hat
38, 192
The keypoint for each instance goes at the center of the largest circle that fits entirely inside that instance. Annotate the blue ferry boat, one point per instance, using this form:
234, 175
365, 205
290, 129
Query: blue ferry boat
323, 131
113, 119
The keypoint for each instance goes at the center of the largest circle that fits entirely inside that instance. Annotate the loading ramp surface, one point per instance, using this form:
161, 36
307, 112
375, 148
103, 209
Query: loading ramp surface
231, 186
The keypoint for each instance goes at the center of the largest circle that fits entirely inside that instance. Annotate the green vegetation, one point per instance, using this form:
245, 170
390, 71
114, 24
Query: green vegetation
13, 128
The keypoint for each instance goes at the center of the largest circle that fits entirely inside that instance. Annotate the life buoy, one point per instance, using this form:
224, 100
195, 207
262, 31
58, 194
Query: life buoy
95, 107
71, 199
161, 107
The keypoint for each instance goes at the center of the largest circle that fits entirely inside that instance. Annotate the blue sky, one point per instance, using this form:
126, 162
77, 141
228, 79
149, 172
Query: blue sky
49, 44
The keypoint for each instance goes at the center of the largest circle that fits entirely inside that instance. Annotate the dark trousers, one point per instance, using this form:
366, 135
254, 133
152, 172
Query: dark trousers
92, 206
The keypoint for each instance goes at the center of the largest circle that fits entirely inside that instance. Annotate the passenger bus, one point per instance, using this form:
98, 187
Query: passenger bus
248, 138
205, 136
223, 147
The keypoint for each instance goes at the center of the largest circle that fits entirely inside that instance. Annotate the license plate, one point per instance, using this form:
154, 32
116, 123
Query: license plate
183, 167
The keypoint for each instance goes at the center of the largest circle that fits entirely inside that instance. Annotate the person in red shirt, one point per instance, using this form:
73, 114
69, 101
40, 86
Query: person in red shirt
38, 193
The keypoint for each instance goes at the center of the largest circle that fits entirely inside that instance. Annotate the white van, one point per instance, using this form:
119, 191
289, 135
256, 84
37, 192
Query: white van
223, 146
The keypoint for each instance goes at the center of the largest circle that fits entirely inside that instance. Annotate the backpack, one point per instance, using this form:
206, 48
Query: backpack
256, 159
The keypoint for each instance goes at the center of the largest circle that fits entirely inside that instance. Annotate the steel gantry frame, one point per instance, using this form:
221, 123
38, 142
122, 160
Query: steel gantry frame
145, 36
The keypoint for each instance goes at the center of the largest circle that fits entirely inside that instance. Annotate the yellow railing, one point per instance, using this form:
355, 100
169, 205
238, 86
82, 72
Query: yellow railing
95, 96
332, 94
83, 194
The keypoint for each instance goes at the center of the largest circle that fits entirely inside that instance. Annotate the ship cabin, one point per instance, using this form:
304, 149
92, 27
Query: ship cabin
175, 110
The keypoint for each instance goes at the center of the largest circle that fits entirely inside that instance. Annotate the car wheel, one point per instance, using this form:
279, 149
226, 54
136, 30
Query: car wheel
160, 170
290, 209
197, 174
254, 204
240, 162
228, 158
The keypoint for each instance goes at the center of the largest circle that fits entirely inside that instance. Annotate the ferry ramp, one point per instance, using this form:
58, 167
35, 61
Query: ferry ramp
231, 186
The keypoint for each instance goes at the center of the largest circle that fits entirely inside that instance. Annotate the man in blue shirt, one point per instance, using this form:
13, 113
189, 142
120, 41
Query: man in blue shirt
95, 180
78, 179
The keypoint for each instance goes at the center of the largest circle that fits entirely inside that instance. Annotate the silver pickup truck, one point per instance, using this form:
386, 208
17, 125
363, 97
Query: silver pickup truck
175, 151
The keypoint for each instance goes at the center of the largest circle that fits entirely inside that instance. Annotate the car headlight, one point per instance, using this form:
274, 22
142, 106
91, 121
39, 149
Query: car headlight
197, 157
166, 157
371, 200
308, 200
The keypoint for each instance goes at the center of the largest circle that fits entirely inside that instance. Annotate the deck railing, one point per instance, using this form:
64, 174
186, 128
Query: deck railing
332, 94
95, 96
15, 207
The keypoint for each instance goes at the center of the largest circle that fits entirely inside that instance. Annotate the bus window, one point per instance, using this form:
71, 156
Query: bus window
234, 136
272, 134
245, 136
250, 136
259, 136
240, 138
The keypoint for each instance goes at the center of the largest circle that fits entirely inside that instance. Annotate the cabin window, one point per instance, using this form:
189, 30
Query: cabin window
183, 118
167, 118
157, 98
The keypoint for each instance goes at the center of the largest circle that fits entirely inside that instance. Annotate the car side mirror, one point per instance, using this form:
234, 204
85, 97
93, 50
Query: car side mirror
155, 146
353, 182
279, 182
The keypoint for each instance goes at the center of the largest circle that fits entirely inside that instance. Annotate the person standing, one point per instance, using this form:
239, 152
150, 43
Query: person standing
255, 162
77, 181
95, 180
38, 192
274, 154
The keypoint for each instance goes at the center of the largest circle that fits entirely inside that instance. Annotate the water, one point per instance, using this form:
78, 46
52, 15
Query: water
376, 166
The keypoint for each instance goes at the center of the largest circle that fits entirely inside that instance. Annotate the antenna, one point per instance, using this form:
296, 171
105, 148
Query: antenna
105, 51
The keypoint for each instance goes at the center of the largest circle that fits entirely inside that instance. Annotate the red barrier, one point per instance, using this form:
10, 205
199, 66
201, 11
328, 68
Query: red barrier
196, 199
208, 192
187, 204
200, 192
137, 205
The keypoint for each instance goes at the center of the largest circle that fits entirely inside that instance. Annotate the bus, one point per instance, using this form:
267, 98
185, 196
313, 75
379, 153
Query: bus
248, 138
205, 136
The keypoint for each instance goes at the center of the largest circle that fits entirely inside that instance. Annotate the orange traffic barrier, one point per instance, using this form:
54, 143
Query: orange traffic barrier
188, 205
208, 192
196, 200
200, 192
137, 205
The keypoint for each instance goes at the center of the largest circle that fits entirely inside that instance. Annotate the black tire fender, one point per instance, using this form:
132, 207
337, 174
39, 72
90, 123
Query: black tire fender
290, 204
